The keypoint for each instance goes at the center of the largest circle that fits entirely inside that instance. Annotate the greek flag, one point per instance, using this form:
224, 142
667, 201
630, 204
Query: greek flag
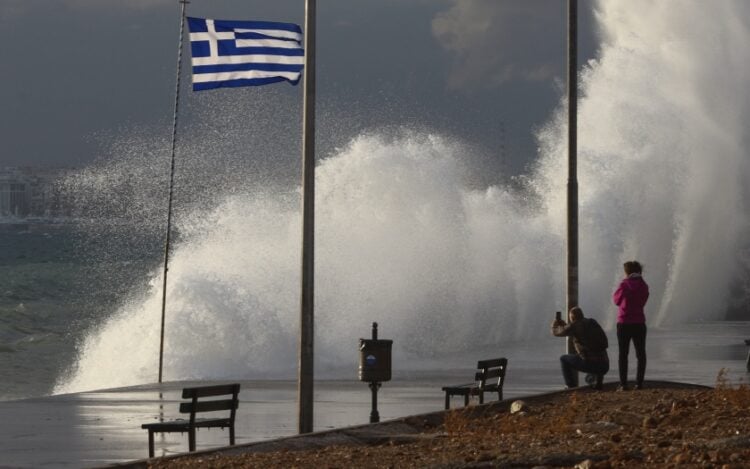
244, 53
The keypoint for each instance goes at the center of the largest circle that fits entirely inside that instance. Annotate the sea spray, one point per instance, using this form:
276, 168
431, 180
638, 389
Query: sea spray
405, 237
663, 153
400, 240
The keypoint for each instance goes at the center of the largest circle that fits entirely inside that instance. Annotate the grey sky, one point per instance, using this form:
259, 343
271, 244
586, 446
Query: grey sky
76, 73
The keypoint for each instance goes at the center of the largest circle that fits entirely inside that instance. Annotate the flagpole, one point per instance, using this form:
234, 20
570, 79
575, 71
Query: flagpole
306, 374
572, 218
171, 189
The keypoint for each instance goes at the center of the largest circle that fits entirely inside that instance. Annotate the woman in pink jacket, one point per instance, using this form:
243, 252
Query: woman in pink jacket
630, 298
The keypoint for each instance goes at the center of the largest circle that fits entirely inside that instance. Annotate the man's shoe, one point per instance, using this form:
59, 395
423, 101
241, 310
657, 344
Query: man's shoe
638, 386
623, 387
599, 382
595, 381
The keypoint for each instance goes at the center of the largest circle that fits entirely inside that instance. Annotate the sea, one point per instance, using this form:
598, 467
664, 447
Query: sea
53, 292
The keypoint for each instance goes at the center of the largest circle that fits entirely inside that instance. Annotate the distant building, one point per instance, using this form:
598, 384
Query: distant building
29, 192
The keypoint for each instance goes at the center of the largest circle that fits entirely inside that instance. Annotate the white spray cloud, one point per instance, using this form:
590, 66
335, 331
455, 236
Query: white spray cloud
400, 240
403, 239
663, 152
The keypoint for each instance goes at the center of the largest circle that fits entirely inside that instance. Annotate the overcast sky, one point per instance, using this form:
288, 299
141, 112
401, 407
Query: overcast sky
75, 74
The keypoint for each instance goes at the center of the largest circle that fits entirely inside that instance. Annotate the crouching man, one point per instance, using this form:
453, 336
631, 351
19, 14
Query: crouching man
590, 343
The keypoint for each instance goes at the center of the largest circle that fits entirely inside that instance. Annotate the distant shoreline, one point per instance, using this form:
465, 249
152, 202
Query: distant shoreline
28, 224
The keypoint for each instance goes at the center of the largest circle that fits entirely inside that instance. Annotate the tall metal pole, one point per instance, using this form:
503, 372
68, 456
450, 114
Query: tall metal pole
308, 228
572, 251
171, 189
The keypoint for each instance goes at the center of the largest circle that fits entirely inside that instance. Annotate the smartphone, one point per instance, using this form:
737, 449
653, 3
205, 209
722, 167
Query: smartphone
558, 316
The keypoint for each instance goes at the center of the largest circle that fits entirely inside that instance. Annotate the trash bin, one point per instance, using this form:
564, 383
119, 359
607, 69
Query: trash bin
375, 360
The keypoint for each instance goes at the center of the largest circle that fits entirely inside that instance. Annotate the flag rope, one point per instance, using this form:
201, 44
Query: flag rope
171, 189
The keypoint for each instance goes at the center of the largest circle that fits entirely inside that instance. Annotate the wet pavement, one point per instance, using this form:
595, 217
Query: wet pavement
98, 428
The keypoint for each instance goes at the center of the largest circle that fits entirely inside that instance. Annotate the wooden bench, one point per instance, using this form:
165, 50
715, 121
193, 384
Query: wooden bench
195, 406
489, 378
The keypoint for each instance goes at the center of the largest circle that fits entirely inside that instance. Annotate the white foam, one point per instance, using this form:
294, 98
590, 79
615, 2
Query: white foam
404, 239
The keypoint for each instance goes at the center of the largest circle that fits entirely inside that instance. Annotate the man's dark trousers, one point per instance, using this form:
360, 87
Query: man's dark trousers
572, 363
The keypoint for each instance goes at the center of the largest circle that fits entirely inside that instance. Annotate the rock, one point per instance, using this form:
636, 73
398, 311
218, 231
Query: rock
518, 406
650, 422
676, 406
586, 464
484, 457
681, 458
627, 419
730, 442
599, 426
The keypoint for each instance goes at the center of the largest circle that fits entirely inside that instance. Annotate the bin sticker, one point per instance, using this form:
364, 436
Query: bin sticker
370, 360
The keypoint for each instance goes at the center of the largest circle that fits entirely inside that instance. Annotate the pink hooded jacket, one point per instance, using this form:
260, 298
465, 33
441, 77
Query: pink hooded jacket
631, 297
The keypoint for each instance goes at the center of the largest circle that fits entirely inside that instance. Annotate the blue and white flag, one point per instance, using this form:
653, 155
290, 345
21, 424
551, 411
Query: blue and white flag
244, 53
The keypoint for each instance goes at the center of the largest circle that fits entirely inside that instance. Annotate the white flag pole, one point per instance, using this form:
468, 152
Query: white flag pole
306, 374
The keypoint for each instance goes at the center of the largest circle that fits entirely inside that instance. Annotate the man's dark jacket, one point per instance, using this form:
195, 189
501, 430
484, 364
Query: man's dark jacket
589, 338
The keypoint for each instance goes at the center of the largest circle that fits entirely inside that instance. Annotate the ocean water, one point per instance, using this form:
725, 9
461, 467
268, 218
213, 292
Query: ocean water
407, 234
55, 286
36, 276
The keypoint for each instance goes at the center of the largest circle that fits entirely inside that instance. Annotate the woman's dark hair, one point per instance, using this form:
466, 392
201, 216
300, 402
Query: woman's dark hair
633, 267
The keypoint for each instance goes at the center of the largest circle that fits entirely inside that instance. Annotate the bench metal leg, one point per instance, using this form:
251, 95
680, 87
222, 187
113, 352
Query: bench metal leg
231, 435
466, 399
150, 444
191, 439
447, 400
481, 396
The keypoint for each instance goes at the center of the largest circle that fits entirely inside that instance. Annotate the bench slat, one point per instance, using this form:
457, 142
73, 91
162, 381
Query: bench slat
184, 425
460, 387
208, 406
166, 426
489, 374
213, 423
495, 362
208, 391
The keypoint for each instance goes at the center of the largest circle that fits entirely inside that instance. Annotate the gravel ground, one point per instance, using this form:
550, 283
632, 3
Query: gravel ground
662, 427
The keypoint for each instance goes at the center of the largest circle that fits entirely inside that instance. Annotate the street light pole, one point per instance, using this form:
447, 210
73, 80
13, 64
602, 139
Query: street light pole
306, 374
572, 219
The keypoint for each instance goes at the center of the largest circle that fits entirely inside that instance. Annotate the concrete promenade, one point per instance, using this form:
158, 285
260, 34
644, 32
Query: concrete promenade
93, 429
99, 428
